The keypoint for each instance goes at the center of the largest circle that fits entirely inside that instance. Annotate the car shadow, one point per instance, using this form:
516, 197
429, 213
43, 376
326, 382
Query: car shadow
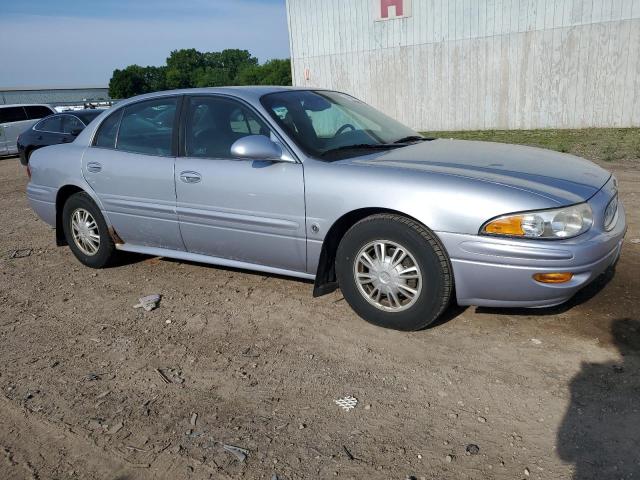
582, 296
127, 258
123, 259
600, 431
451, 312
138, 258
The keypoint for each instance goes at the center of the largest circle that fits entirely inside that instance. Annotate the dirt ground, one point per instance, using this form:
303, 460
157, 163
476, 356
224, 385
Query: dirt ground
255, 362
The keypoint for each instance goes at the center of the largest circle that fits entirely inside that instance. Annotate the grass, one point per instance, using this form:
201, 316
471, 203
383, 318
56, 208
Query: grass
603, 144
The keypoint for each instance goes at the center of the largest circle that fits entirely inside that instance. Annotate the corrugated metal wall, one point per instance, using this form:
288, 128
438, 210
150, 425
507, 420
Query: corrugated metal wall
54, 96
477, 64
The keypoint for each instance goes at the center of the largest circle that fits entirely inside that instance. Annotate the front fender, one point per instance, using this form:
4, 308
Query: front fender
441, 202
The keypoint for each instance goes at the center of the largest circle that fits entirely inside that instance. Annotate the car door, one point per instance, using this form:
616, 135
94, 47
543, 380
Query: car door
249, 211
130, 167
47, 131
70, 125
15, 122
3, 138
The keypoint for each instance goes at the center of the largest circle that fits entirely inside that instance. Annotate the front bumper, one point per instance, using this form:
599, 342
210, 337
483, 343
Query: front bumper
496, 272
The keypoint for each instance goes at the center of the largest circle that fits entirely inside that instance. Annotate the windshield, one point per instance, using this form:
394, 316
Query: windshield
331, 124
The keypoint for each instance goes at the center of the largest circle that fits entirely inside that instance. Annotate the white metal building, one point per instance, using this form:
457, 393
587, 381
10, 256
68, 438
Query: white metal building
476, 64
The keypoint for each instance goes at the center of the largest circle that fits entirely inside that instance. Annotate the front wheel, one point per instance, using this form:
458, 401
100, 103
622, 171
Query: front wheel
394, 272
86, 231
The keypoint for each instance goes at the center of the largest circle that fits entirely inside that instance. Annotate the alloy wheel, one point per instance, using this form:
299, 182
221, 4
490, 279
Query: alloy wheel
388, 275
84, 229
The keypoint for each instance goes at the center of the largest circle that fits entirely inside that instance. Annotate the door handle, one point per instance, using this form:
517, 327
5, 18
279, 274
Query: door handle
190, 177
94, 167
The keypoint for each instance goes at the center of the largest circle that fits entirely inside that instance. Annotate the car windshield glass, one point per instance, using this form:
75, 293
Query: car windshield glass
331, 125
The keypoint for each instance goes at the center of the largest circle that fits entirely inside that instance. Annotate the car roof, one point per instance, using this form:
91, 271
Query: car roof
86, 115
245, 92
26, 105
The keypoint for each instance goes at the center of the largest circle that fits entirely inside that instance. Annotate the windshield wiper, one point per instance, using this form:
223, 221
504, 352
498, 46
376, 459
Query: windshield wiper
361, 146
413, 138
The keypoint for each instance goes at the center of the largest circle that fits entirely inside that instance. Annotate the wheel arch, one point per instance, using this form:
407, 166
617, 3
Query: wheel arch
326, 280
68, 189
61, 198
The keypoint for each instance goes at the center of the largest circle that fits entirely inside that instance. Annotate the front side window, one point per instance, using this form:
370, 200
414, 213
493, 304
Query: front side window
71, 124
12, 114
37, 111
147, 127
214, 124
323, 122
52, 124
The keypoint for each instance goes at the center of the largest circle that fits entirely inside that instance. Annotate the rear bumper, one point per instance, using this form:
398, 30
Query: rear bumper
495, 272
42, 201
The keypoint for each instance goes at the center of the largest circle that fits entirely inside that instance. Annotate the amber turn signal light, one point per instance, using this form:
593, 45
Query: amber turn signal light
560, 277
505, 226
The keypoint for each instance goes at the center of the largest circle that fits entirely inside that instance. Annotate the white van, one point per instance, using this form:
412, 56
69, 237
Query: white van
15, 119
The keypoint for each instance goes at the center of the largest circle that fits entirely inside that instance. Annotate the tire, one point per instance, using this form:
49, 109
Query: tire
425, 271
105, 251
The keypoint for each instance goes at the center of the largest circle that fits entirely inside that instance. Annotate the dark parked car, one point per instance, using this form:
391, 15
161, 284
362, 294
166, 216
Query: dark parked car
55, 129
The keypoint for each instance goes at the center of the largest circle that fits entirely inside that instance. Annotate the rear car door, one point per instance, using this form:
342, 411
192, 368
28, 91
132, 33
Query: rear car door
70, 125
14, 121
130, 167
3, 138
47, 131
243, 210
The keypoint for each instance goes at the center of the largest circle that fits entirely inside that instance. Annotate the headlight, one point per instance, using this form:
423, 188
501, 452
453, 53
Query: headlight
558, 223
611, 214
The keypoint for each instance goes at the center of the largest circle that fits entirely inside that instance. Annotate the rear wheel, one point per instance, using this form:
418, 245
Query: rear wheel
86, 232
394, 272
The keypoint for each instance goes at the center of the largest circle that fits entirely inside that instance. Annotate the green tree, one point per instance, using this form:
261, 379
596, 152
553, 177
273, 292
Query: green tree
136, 80
273, 72
155, 78
127, 82
183, 67
222, 68
189, 68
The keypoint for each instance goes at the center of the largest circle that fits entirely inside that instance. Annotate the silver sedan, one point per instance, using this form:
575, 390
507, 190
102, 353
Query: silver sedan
318, 185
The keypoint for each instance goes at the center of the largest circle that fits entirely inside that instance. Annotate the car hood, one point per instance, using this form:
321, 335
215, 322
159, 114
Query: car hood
560, 177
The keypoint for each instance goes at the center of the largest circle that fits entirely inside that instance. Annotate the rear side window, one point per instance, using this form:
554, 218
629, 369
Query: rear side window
37, 111
106, 136
71, 123
52, 124
13, 114
147, 127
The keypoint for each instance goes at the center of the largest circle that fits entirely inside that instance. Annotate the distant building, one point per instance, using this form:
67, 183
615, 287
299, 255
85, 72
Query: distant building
476, 64
56, 97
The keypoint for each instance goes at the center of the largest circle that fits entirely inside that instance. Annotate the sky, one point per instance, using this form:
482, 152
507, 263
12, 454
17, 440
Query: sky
78, 43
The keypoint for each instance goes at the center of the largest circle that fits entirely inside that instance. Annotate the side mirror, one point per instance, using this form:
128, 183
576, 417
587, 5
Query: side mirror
256, 147
75, 132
